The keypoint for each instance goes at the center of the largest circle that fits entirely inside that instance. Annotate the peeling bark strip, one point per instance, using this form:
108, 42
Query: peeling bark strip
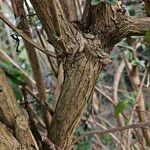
12, 116
84, 50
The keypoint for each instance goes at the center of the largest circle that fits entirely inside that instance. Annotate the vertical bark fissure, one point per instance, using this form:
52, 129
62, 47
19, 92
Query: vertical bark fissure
108, 25
78, 87
70, 9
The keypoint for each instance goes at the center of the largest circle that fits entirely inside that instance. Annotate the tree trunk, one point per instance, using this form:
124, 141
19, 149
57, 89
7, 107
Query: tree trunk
7, 141
81, 73
83, 50
12, 116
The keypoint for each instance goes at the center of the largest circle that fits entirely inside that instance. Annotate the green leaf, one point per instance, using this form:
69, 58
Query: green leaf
147, 36
111, 1
84, 144
138, 62
107, 139
131, 98
121, 106
13, 74
128, 55
7, 67
16, 80
17, 91
95, 2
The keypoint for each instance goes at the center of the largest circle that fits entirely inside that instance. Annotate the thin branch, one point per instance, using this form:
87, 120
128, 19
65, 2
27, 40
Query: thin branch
51, 145
55, 19
111, 88
25, 37
4, 56
138, 26
33, 58
139, 139
70, 9
105, 95
108, 98
79, 8
30, 12
54, 70
139, 98
105, 128
144, 111
48, 19
43, 103
32, 117
112, 130
117, 78
141, 85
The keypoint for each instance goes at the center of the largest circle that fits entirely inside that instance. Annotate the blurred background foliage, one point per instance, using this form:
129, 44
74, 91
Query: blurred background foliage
101, 112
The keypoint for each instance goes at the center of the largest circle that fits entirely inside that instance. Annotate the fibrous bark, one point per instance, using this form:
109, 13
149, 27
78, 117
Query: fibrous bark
83, 50
12, 116
7, 141
77, 89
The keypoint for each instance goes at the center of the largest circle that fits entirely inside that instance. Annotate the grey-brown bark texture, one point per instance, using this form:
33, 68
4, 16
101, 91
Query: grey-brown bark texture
17, 135
81, 73
83, 49
19, 12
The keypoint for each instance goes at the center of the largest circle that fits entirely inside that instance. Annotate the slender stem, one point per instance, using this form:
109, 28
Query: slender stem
112, 130
25, 37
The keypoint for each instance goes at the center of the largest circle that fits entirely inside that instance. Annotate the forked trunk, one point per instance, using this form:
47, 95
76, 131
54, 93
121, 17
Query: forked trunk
82, 48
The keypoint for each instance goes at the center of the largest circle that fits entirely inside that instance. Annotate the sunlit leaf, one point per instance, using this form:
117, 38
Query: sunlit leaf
120, 107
